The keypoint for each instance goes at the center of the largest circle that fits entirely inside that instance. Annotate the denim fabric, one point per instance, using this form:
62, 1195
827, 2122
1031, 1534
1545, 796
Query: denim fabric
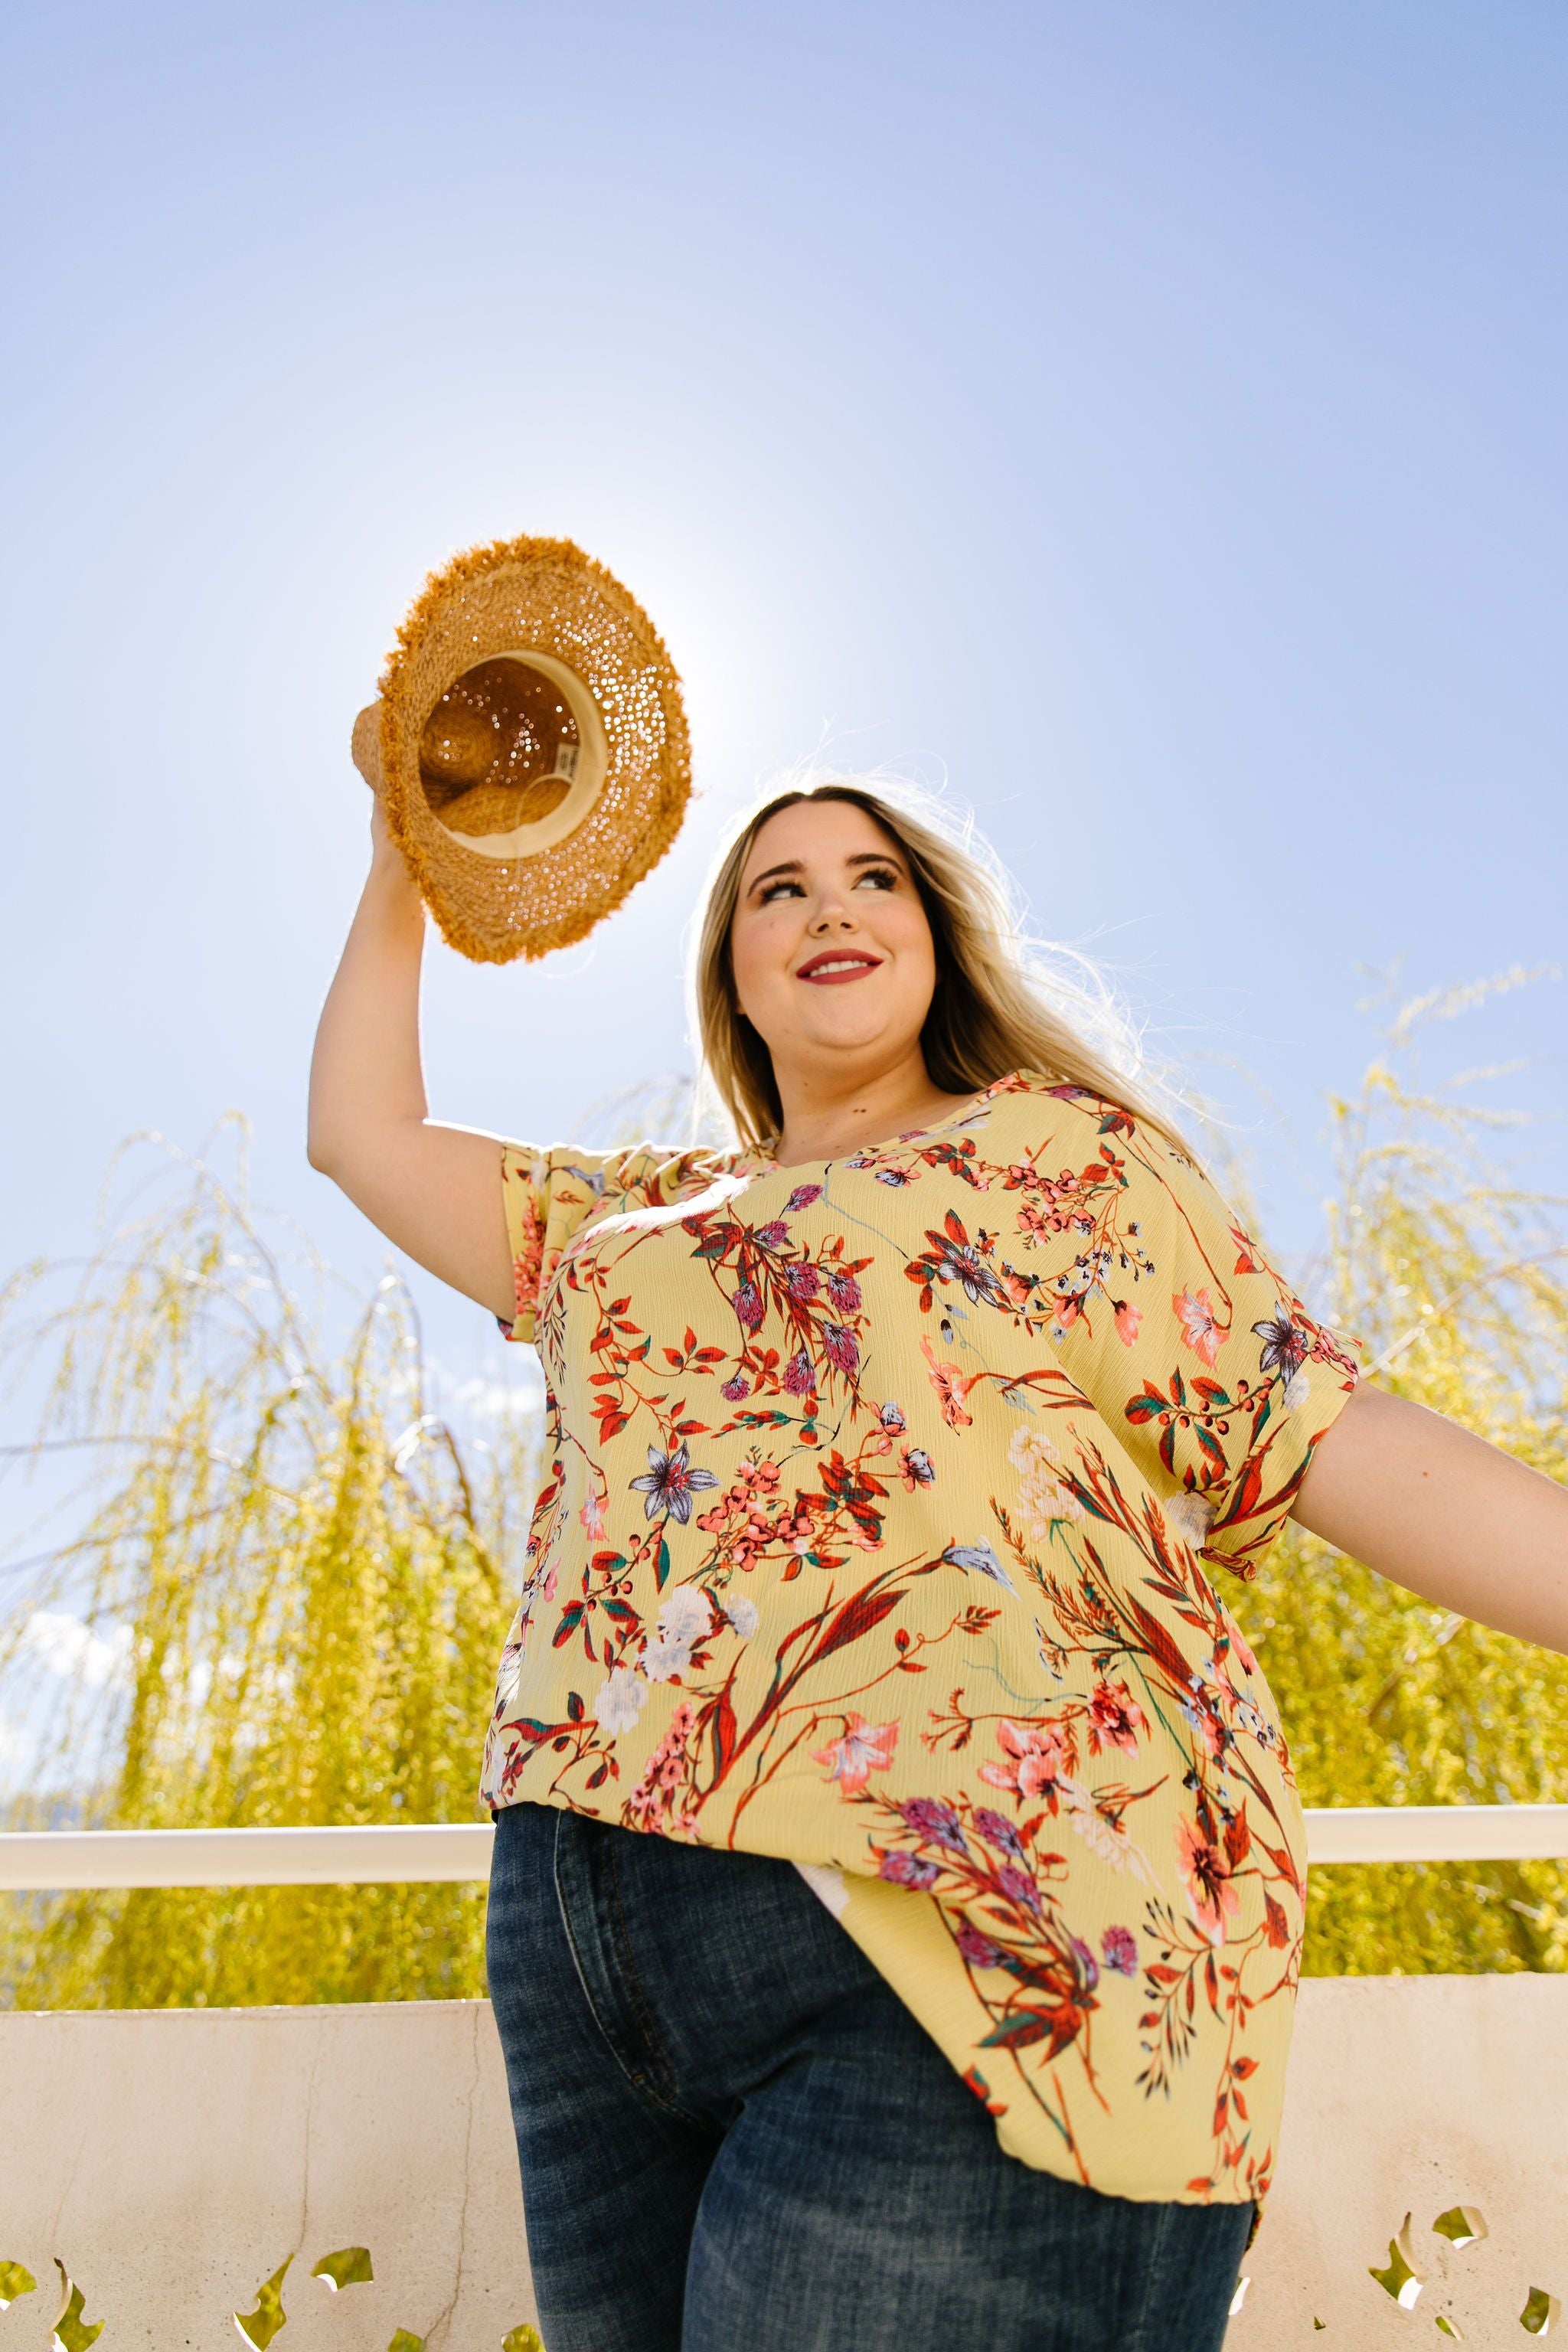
732, 2134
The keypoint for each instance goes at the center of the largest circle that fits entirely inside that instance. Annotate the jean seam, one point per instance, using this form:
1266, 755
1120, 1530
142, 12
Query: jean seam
635, 2077
1138, 2340
642, 2006
637, 2081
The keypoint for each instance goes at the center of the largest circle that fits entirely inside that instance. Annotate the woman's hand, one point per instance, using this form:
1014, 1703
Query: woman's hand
1442, 1512
434, 1191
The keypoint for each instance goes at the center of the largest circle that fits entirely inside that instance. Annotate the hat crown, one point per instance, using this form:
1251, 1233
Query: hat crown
533, 751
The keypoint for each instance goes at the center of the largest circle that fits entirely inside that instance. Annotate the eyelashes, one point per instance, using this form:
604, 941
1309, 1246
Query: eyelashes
886, 877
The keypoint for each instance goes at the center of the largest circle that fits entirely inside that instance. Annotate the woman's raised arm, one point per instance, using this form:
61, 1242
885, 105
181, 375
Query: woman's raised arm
434, 1191
1444, 1513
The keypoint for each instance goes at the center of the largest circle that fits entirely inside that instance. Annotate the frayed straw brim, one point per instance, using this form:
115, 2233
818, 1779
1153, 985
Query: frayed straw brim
537, 601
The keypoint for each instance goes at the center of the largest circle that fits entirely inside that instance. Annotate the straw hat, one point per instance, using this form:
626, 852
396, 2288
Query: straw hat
528, 747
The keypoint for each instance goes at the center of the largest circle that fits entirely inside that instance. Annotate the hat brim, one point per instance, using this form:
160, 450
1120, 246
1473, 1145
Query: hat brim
544, 600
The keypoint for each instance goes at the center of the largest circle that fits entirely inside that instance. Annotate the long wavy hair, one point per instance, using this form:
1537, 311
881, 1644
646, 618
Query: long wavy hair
1002, 1002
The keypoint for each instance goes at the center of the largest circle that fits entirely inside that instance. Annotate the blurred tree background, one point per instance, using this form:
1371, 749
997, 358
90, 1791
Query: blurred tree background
289, 1580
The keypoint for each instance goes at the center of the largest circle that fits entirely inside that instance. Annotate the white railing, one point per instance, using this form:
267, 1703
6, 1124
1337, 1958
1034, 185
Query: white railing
410, 1853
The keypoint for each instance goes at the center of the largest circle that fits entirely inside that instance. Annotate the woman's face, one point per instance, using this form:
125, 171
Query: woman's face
830, 946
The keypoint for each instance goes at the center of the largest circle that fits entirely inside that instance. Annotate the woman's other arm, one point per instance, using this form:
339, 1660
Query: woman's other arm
434, 1191
1444, 1513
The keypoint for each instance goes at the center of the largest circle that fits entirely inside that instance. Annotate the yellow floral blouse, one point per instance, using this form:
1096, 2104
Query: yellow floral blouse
884, 1497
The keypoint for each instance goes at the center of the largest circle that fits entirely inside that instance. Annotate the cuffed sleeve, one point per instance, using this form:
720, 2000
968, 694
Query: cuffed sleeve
551, 1192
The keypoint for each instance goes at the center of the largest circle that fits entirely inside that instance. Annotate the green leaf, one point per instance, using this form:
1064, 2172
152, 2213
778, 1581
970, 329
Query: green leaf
1461, 2225
348, 2267
70, 2332
259, 2327
404, 2342
16, 2280
1401, 2279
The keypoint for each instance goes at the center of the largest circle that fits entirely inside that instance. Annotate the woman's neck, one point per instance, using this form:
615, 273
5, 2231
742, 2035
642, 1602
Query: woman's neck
825, 1117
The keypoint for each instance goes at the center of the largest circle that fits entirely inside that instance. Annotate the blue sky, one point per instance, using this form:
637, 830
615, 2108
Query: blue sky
1149, 420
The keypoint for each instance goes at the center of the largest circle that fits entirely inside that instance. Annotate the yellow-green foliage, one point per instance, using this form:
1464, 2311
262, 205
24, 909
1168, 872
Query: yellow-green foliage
1456, 1283
316, 1579
316, 1583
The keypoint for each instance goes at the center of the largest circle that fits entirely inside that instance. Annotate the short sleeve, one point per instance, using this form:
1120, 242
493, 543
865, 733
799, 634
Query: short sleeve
1207, 1367
550, 1192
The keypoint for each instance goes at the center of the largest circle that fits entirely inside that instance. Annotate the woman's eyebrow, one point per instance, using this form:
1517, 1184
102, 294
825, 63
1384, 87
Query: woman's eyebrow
860, 857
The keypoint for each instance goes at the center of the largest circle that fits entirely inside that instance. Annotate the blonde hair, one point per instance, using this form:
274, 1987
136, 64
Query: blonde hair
1002, 1003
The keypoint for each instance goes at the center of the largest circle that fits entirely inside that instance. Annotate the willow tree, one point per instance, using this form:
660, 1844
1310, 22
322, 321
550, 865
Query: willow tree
1457, 1283
295, 1583
295, 1580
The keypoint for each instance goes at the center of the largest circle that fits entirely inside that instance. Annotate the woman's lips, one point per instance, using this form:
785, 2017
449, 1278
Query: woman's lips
828, 971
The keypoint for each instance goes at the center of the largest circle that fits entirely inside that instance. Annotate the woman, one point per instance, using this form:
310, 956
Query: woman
898, 1879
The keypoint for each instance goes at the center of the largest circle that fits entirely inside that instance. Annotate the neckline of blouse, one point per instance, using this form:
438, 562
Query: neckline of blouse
761, 1162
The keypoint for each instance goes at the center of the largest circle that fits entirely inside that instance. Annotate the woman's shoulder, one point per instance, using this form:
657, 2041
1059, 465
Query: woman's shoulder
1038, 1101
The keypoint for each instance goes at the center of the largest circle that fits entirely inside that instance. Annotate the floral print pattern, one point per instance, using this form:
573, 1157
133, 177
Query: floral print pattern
882, 1508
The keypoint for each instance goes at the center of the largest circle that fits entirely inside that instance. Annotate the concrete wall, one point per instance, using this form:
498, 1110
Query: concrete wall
173, 2159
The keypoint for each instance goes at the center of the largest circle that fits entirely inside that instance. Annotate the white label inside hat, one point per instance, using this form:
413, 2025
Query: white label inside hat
582, 765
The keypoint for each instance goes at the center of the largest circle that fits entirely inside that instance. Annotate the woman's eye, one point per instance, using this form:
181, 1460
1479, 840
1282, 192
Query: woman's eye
882, 875
767, 893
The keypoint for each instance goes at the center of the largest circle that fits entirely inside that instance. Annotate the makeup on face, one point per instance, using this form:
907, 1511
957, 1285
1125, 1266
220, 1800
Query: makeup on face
836, 965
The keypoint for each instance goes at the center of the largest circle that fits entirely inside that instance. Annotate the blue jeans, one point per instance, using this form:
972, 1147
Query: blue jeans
732, 2134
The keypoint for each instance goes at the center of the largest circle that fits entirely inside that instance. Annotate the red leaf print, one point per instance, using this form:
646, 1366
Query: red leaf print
857, 1617
724, 1737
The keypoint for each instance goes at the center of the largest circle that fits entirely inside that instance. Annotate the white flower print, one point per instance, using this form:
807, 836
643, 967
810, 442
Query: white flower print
620, 1701
684, 1616
1192, 1516
1042, 1498
1109, 1837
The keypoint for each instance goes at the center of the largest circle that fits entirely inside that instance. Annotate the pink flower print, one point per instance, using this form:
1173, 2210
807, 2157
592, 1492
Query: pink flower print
998, 1831
525, 1266
773, 1235
1115, 1718
917, 1467
905, 1870
736, 1387
1200, 1326
748, 1306
593, 1518
648, 1804
799, 1379
928, 1817
978, 1950
1205, 1872
845, 1292
865, 1747
1240, 1648
1129, 1321
803, 1196
1121, 1950
803, 1283
1039, 1760
841, 1347
1019, 1887
951, 1388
